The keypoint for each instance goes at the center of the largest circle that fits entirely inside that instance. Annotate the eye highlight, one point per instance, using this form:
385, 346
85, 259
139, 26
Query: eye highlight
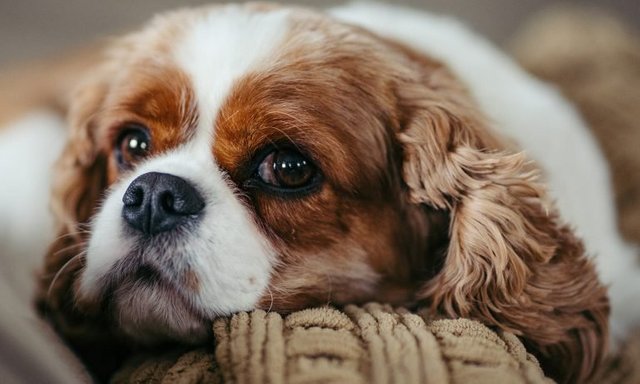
286, 171
133, 144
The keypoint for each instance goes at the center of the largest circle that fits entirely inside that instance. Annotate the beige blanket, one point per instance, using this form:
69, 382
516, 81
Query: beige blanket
368, 344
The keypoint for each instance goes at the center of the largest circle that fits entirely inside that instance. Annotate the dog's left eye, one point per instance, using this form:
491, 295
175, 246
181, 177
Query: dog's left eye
287, 170
133, 144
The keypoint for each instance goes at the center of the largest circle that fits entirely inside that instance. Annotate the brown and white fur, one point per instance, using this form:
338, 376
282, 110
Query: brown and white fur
422, 196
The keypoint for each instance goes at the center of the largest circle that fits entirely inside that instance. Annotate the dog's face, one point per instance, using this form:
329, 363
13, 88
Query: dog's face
250, 162
242, 157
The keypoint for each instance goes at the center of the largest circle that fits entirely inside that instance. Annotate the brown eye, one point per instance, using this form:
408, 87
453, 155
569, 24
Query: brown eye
132, 145
287, 170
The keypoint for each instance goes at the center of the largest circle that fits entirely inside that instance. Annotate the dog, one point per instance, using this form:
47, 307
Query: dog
228, 158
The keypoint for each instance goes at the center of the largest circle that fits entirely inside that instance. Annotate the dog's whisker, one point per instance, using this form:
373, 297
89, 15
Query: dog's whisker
271, 295
60, 271
330, 284
72, 234
69, 247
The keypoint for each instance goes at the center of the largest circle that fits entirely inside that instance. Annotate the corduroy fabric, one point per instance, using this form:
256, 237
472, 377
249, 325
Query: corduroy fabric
363, 344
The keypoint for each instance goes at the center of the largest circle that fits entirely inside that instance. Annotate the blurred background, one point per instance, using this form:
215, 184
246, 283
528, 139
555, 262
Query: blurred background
31, 29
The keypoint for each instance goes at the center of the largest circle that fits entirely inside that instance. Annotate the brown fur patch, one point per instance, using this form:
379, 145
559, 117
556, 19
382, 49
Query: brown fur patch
159, 99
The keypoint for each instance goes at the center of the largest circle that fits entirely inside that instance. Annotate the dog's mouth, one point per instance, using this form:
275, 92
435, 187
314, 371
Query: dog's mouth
149, 307
165, 288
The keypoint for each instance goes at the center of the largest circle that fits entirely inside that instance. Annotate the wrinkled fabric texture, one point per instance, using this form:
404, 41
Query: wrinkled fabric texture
369, 344
362, 344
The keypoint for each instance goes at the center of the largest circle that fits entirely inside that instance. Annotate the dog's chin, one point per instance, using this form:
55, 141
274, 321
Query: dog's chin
150, 311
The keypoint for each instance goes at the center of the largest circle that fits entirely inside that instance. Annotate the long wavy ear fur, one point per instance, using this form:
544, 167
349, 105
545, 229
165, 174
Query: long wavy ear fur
510, 262
80, 179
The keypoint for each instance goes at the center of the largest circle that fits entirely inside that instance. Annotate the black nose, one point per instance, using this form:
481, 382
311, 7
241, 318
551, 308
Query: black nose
158, 202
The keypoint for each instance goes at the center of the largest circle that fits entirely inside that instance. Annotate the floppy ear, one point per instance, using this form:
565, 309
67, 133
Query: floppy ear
79, 180
510, 261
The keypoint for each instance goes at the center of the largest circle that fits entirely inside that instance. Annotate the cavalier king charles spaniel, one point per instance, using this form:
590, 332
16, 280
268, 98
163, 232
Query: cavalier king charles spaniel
228, 158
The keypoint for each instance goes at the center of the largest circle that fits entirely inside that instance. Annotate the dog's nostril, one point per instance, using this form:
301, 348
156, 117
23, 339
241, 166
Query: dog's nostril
158, 202
167, 202
133, 197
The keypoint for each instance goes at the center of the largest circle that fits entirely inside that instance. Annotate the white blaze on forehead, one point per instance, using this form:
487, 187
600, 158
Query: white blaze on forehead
223, 45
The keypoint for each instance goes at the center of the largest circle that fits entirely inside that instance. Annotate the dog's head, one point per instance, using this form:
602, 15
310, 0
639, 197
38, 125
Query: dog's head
231, 158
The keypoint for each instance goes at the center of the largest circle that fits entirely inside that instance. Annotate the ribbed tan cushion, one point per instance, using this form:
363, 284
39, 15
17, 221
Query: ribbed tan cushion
368, 344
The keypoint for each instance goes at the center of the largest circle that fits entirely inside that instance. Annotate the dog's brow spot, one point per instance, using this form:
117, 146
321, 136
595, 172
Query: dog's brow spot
252, 280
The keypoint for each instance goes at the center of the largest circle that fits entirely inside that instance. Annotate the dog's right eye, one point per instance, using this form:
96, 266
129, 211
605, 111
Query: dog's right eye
132, 145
